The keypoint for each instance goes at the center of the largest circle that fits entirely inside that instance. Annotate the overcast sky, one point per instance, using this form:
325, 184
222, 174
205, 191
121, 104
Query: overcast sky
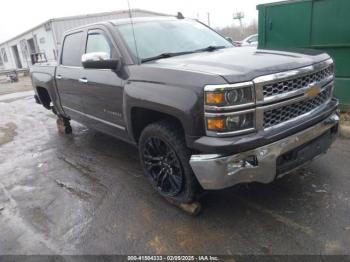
18, 16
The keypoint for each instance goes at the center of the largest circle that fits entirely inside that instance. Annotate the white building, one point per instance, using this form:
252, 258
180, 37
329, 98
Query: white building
46, 38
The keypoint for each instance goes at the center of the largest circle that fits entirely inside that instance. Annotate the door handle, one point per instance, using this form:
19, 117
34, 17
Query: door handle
83, 80
58, 77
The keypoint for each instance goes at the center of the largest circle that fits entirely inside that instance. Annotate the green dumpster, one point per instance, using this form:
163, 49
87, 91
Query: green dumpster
317, 24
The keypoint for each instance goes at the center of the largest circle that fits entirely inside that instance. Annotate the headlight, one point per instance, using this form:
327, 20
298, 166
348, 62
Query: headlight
229, 109
239, 122
229, 95
231, 123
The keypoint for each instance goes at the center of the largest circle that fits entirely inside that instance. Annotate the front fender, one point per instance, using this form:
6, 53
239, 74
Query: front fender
182, 103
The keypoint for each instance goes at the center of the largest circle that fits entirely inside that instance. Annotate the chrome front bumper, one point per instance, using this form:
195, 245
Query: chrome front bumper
257, 165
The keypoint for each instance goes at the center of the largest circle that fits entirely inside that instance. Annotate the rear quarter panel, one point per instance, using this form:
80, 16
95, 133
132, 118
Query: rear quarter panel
43, 75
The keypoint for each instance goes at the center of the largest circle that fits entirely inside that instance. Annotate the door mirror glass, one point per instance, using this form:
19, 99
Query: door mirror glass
100, 60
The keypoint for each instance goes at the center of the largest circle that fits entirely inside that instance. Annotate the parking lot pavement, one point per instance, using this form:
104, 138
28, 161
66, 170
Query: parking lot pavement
85, 194
24, 84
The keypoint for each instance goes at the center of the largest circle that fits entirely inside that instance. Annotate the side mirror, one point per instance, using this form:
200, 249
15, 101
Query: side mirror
100, 60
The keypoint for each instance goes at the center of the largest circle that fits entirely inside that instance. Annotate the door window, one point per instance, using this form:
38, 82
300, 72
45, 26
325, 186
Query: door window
97, 42
71, 54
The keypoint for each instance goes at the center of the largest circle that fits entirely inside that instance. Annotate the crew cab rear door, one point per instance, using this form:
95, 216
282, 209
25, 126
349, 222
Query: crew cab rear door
67, 76
103, 88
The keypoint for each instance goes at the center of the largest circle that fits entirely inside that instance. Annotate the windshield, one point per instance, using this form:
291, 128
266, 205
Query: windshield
154, 38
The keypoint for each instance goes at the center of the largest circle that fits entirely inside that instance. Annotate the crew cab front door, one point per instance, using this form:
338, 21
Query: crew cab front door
68, 73
103, 88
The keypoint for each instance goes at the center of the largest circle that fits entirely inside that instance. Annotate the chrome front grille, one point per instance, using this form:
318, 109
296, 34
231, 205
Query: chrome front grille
297, 82
280, 98
283, 97
285, 113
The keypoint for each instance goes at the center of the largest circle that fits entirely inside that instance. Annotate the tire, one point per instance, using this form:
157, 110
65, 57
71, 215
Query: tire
174, 165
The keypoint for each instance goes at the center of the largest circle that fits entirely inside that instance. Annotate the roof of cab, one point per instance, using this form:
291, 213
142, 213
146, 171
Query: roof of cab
124, 21
142, 19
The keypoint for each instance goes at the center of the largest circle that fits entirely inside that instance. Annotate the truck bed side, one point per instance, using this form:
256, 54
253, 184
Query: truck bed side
44, 85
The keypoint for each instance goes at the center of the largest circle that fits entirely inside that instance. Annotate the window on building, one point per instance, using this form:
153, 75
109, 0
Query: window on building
72, 51
98, 43
4, 55
1, 62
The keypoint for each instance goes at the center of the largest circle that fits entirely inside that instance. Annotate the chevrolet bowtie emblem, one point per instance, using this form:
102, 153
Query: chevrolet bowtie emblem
313, 91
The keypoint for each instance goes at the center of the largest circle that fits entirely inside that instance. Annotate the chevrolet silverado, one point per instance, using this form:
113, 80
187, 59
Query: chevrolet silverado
204, 114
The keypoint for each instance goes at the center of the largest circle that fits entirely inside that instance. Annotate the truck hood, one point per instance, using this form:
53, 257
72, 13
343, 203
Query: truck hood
241, 64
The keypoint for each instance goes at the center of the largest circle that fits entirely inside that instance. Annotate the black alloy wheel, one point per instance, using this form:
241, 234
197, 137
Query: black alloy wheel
163, 166
165, 160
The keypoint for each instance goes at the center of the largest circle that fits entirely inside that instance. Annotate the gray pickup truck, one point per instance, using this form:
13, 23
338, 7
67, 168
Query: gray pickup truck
204, 115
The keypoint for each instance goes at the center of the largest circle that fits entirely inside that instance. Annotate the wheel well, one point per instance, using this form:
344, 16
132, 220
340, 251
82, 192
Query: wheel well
142, 117
44, 97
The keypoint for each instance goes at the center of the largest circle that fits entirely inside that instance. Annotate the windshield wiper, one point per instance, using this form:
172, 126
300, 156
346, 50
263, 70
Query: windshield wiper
210, 48
165, 55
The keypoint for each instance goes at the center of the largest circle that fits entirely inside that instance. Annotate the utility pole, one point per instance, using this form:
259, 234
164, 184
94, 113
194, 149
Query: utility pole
208, 17
238, 16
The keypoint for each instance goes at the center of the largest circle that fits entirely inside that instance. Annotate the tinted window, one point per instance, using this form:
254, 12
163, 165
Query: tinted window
168, 36
98, 43
71, 54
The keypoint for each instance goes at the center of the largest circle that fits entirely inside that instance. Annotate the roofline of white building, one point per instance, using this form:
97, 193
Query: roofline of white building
80, 17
